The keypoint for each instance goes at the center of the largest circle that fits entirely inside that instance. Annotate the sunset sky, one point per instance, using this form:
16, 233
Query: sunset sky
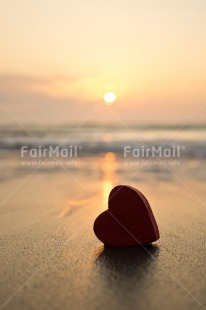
59, 58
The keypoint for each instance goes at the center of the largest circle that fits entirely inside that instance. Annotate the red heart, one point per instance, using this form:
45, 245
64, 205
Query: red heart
128, 221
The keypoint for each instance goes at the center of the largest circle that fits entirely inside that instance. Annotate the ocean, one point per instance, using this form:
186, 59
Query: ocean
100, 139
128, 154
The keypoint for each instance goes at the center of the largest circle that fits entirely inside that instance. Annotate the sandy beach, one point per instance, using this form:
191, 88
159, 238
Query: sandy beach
51, 259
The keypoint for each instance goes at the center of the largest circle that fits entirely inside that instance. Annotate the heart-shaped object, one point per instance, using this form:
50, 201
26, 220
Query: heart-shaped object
128, 221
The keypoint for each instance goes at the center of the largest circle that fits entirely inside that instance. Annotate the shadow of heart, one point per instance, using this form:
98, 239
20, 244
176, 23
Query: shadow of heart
128, 261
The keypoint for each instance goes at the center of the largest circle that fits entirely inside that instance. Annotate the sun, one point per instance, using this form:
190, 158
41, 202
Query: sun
109, 98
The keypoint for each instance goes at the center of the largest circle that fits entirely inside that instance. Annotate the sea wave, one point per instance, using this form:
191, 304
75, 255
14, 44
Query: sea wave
102, 139
189, 149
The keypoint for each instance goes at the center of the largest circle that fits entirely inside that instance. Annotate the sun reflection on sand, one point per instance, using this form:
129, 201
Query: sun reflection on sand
109, 166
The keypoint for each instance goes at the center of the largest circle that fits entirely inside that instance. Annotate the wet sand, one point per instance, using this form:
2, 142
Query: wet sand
50, 258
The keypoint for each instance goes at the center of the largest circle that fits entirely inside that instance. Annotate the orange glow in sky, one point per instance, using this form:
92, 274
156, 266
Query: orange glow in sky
64, 56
